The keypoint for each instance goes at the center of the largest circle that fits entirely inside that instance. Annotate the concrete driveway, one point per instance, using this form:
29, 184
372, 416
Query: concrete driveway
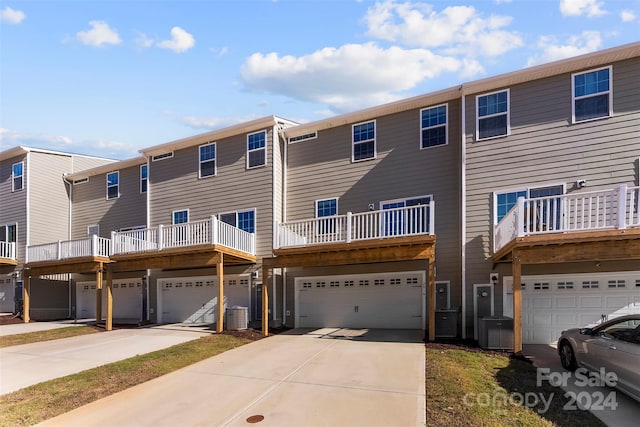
627, 411
326, 377
29, 364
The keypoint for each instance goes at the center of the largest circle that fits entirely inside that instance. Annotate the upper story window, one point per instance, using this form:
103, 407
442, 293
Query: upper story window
398, 221
93, 230
433, 124
592, 95
327, 207
17, 174
492, 115
144, 178
207, 160
180, 217
256, 149
113, 185
364, 141
546, 214
244, 220
8, 233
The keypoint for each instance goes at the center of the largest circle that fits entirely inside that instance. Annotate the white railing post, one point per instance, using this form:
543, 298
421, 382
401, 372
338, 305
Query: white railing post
160, 237
59, 250
276, 235
622, 206
214, 230
349, 226
520, 217
114, 247
432, 217
94, 245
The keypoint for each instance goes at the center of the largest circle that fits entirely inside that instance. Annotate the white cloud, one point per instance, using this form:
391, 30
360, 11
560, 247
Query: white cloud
11, 16
109, 149
590, 8
181, 41
214, 122
99, 35
143, 41
552, 50
627, 16
345, 78
458, 29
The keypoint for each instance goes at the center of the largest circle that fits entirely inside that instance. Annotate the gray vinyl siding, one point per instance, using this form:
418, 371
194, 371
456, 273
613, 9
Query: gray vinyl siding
174, 185
48, 198
321, 168
90, 204
546, 148
13, 205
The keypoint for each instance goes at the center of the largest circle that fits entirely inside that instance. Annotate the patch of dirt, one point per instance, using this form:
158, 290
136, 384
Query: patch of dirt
468, 345
253, 334
10, 319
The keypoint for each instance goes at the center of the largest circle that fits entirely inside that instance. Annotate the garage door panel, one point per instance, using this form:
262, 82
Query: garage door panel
127, 300
591, 302
566, 302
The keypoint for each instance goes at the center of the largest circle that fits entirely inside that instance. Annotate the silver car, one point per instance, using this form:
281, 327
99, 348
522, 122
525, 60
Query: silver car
612, 346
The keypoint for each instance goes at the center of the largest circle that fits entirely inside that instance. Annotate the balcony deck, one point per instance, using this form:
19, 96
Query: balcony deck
587, 225
8, 253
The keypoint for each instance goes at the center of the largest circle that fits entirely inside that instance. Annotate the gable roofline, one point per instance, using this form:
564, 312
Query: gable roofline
20, 150
109, 167
203, 138
569, 65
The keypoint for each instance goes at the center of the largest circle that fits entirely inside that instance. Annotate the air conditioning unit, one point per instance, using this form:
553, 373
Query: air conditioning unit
496, 333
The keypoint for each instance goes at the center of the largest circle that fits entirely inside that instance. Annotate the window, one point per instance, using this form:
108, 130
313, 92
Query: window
617, 283
207, 160
162, 156
144, 178
305, 137
244, 220
81, 181
406, 221
180, 217
364, 141
326, 208
565, 285
505, 201
492, 118
592, 95
17, 173
256, 149
590, 284
8, 233
113, 191
93, 230
433, 125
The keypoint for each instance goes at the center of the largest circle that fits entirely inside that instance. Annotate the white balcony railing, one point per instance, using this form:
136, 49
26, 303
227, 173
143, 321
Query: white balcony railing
396, 222
207, 232
588, 211
92, 246
8, 250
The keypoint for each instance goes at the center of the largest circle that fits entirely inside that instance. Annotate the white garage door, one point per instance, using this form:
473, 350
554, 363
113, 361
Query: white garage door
551, 304
6, 295
194, 300
127, 300
382, 300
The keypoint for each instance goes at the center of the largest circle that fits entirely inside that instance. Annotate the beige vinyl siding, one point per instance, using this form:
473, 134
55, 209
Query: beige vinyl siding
321, 168
82, 163
13, 205
545, 148
174, 185
90, 204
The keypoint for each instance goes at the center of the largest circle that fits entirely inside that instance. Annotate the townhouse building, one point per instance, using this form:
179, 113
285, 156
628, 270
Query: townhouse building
34, 209
512, 198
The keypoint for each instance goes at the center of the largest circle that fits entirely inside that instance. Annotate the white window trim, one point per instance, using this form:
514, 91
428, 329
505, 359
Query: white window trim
324, 200
106, 178
304, 137
144, 179
404, 199
13, 177
163, 156
81, 181
89, 227
508, 113
446, 127
173, 217
257, 149
527, 189
375, 141
573, 95
215, 161
236, 212
6, 229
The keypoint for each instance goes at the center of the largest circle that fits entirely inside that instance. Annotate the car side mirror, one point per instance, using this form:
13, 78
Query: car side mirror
586, 331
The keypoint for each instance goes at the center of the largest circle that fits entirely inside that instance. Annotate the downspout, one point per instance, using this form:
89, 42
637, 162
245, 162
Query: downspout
148, 210
285, 162
463, 211
70, 184
275, 144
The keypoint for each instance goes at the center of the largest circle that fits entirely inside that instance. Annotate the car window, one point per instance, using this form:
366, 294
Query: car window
623, 331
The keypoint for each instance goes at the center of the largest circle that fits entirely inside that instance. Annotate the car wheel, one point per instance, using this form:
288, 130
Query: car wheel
567, 356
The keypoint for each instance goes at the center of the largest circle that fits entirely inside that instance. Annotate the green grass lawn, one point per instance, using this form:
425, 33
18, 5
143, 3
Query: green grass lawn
39, 402
54, 334
467, 387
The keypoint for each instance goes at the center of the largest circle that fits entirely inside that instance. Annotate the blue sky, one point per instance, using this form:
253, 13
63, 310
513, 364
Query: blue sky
107, 78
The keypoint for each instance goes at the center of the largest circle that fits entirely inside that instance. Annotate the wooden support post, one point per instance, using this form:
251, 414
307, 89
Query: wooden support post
431, 277
109, 321
99, 295
26, 295
220, 273
516, 272
265, 301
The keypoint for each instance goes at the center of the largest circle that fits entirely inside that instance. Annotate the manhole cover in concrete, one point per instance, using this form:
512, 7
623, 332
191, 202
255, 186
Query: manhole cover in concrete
255, 419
